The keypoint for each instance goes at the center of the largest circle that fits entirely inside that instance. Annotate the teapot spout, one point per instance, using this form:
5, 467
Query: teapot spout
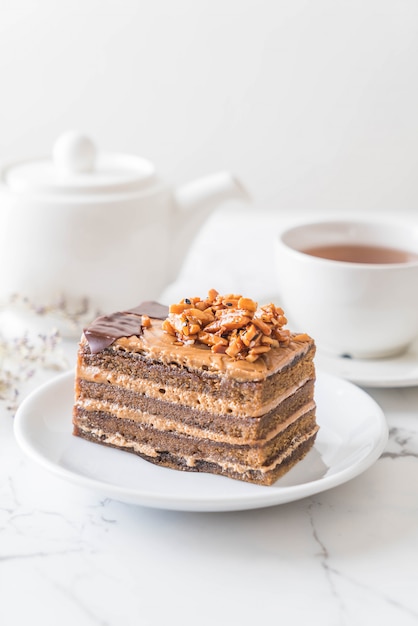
206, 193
194, 202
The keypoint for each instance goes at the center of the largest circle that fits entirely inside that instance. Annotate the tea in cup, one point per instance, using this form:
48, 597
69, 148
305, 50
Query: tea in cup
351, 284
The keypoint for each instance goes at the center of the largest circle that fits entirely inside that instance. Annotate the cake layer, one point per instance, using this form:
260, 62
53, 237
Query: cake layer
210, 391
162, 415
218, 386
185, 445
260, 464
157, 346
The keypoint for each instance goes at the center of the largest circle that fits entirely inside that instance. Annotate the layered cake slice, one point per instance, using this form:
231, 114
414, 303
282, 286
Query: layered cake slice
207, 385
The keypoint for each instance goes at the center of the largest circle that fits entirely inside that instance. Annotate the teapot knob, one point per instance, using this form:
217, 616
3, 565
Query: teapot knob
74, 153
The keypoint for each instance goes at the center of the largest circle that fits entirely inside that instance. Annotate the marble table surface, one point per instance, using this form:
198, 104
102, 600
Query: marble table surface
347, 556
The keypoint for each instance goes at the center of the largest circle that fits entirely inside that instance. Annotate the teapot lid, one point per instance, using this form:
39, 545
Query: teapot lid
77, 167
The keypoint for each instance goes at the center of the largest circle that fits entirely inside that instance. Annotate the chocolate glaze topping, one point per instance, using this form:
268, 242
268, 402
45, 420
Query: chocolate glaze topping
108, 328
152, 309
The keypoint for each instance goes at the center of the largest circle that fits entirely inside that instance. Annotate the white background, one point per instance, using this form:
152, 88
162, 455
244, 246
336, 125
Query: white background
314, 104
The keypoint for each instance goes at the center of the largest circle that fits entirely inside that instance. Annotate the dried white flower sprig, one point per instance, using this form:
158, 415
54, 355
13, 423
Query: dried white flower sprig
21, 358
73, 318
24, 358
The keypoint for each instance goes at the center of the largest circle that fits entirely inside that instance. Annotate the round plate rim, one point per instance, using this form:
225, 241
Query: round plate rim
263, 496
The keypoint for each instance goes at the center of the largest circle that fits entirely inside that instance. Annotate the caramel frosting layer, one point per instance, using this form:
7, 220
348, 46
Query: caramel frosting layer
124, 330
158, 345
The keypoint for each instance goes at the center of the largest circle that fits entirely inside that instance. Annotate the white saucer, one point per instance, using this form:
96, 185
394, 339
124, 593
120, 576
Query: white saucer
396, 371
352, 435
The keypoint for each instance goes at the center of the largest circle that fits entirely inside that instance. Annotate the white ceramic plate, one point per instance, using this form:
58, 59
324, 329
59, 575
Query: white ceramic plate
352, 435
397, 371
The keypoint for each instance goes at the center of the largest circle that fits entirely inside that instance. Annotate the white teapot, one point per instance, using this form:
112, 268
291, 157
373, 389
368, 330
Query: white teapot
94, 231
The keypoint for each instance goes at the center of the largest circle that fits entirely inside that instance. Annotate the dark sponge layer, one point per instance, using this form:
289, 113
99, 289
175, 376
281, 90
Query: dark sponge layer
244, 428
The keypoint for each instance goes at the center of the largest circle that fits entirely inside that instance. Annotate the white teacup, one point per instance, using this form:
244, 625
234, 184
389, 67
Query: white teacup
361, 307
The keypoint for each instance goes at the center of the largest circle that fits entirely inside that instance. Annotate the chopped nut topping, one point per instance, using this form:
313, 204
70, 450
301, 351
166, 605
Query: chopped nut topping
230, 324
145, 321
